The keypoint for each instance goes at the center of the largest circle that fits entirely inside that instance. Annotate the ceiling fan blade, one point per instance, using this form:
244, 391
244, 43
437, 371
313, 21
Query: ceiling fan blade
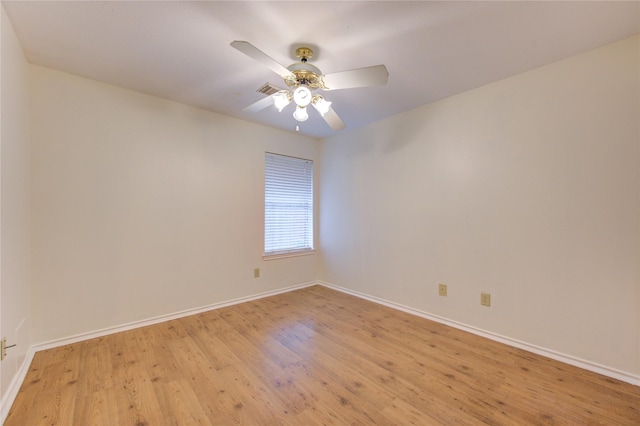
361, 77
333, 120
257, 54
260, 105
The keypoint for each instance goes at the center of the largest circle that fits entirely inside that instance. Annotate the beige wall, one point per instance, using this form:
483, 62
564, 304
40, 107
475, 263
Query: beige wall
527, 188
144, 207
14, 204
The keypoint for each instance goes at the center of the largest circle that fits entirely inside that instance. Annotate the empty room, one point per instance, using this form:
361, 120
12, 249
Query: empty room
319, 212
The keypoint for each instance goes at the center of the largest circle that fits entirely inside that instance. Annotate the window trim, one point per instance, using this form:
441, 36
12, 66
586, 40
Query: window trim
285, 254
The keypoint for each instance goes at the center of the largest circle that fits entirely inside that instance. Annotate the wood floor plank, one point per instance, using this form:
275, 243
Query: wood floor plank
95, 408
313, 356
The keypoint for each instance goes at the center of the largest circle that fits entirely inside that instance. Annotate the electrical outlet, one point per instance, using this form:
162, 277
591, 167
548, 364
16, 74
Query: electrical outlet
442, 289
485, 299
256, 273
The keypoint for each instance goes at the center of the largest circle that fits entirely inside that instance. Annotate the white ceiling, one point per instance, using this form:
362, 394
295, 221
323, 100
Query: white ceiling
179, 50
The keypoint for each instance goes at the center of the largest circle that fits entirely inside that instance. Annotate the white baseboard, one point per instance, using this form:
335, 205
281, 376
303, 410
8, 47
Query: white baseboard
14, 386
16, 382
162, 318
567, 359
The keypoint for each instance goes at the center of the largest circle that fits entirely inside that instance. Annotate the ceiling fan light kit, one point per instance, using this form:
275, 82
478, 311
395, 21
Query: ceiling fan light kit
302, 78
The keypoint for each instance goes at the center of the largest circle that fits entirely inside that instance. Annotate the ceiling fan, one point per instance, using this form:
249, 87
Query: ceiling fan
303, 78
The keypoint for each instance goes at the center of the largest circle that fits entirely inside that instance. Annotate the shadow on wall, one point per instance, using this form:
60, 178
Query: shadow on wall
396, 133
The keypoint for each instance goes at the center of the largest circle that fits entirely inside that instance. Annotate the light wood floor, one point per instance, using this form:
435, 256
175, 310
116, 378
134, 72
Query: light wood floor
312, 356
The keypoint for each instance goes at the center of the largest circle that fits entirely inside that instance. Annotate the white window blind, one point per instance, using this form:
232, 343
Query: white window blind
288, 204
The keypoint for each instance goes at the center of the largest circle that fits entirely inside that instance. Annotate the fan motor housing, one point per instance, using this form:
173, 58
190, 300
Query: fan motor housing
305, 74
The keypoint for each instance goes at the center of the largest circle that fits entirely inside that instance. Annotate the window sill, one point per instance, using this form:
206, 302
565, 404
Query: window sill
285, 254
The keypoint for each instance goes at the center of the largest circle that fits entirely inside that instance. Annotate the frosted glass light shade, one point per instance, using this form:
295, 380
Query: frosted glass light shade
300, 114
281, 100
302, 96
322, 106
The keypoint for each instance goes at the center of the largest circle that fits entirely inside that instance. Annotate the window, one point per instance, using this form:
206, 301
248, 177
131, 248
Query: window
288, 205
